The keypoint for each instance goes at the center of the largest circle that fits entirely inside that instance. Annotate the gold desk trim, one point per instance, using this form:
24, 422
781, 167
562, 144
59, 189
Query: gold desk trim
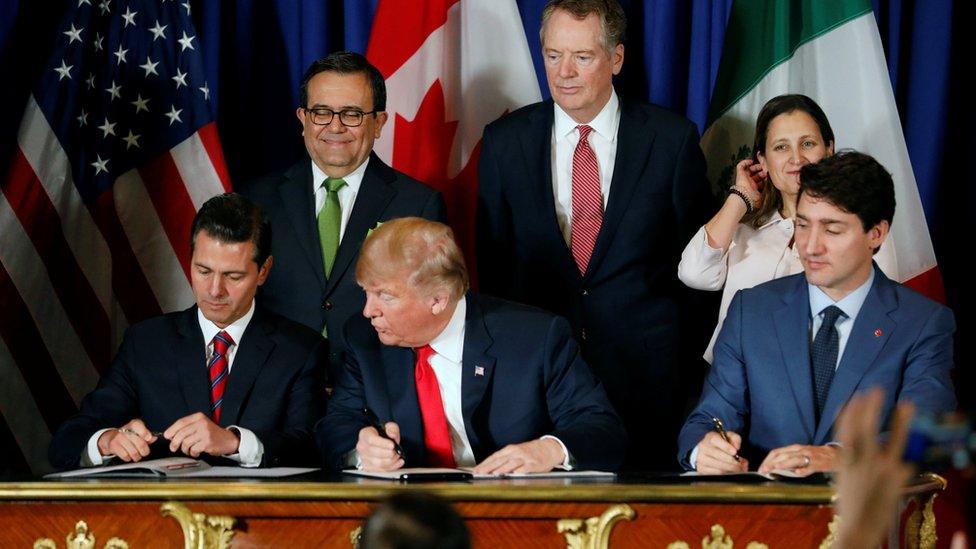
515, 491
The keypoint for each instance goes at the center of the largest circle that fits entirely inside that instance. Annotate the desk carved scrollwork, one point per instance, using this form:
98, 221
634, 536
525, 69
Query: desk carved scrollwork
199, 530
593, 532
80, 539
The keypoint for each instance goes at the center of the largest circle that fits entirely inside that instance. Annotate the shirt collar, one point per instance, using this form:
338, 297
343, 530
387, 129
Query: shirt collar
774, 218
450, 342
353, 180
604, 123
235, 329
850, 304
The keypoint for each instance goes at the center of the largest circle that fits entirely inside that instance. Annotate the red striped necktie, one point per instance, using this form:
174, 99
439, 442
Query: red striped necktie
218, 373
587, 201
437, 436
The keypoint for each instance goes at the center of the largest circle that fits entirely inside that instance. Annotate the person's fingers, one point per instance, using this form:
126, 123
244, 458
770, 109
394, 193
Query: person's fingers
392, 431
735, 439
491, 462
716, 441
900, 422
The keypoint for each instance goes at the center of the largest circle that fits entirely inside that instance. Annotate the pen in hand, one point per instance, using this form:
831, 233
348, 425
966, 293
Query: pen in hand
720, 427
374, 422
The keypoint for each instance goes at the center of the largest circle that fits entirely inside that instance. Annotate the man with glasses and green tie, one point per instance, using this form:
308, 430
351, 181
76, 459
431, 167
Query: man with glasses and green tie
322, 208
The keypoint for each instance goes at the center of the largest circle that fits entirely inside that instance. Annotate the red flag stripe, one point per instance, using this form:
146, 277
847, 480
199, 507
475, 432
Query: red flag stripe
172, 202
37, 215
389, 46
128, 282
155, 253
196, 168
929, 284
31, 356
211, 142
22, 424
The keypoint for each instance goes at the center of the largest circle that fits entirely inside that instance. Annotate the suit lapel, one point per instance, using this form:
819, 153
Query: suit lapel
255, 348
863, 346
629, 164
191, 361
299, 201
478, 367
374, 195
537, 146
398, 363
792, 323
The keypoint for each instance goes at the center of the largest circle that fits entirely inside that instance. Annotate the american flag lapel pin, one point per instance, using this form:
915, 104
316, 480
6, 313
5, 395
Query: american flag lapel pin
479, 371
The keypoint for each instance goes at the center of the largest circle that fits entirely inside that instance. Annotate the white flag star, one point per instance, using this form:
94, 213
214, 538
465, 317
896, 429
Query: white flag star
82, 118
64, 71
100, 165
80, 2
187, 6
98, 42
131, 140
149, 67
185, 42
129, 16
180, 78
140, 104
91, 80
115, 90
104, 7
158, 31
206, 92
73, 34
108, 128
120, 54
174, 115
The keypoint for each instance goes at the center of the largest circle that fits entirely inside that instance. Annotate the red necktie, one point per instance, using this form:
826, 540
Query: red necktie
218, 373
587, 201
437, 438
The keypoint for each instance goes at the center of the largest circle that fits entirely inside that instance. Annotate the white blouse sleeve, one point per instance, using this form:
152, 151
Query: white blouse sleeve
703, 267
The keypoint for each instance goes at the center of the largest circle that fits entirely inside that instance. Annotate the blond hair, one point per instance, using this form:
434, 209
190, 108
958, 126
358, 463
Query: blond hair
424, 249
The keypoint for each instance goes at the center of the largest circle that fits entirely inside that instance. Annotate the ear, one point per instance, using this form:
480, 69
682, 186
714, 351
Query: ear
617, 58
439, 302
877, 234
762, 160
830, 148
300, 113
380, 122
264, 270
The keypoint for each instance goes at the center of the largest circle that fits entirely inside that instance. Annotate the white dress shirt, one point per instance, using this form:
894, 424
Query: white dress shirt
565, 137
754, 256
347, 194
251, 450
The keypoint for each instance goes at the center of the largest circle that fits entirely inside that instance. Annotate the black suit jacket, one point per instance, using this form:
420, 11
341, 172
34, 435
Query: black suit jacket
523, 378
159, 375
297, 287
625, 308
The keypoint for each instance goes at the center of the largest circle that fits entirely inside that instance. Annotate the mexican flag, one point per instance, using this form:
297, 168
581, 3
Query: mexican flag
831, 51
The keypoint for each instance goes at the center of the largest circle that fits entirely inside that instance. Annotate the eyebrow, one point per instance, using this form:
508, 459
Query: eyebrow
342, 108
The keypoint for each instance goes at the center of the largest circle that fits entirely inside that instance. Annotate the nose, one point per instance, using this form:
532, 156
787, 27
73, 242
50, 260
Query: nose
369, 310
567, 67
813, 243
335, 125
217, 288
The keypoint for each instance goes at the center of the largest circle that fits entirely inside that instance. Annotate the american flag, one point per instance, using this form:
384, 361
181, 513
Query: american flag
116, 152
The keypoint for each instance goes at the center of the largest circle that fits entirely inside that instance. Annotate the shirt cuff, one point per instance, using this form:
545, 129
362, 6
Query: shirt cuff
352, 460
713, 254
693, 458
250, 451
568, 463
92, 457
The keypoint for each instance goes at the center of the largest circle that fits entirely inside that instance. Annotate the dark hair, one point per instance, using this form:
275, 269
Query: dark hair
853, 182
613, 21
346, 62
232, 218
771, 201
414, 520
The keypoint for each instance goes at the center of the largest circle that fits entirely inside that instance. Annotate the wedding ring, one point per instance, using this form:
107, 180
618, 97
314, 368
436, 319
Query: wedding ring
806, 462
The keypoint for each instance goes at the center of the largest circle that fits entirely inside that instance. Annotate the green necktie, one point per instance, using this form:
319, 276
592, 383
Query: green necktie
329, 221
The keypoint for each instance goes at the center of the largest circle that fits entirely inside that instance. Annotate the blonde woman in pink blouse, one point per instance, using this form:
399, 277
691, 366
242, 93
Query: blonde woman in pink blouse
750, 240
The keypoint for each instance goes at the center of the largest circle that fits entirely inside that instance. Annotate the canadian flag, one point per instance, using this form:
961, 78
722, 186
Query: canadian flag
451, 67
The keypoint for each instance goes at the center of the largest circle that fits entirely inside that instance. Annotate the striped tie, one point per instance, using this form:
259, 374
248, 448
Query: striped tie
587, 201
218, 373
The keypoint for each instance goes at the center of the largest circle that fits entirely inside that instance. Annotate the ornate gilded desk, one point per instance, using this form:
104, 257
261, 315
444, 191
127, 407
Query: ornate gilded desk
630, 512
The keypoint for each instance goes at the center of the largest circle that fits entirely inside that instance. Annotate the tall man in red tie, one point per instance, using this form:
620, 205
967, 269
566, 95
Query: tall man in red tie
585, 203
223, 378
457, 379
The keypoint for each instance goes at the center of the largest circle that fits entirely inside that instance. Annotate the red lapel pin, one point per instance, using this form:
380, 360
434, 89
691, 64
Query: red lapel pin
878, 333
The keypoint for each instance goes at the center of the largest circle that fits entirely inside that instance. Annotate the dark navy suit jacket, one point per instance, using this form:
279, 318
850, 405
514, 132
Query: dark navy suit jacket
761, 383
275, 389
297, 287
534, 383
625, 309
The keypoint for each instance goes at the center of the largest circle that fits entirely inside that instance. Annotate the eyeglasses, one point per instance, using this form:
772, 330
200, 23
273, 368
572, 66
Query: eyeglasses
322, 116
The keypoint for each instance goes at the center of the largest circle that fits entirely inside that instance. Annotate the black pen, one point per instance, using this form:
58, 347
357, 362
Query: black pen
374, 422
720, 427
